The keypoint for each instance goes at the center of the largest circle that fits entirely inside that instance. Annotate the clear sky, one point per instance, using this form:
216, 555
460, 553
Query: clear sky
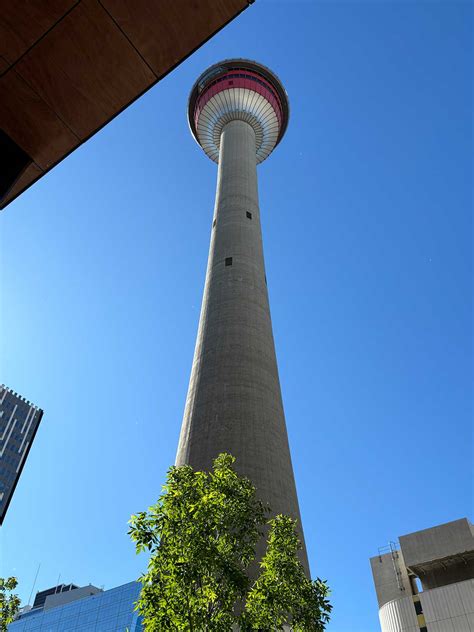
366, 218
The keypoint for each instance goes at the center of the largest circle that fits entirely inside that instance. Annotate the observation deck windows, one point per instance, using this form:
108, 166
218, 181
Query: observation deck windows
226, 77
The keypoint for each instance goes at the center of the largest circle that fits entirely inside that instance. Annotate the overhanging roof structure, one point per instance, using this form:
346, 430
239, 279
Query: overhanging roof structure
67, 67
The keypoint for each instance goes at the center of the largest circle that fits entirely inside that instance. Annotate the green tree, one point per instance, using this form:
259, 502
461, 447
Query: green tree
282, 594
9, 603
201, 536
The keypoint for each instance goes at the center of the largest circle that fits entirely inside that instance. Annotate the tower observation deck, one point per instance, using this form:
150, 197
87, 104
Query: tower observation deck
238, 113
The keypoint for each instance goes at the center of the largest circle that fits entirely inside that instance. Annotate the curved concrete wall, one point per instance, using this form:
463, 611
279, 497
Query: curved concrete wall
399, 616
446, 609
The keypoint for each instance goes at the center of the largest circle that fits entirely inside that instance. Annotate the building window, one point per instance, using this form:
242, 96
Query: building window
424, 629
418, 608
249, 214
228, 261
214, 223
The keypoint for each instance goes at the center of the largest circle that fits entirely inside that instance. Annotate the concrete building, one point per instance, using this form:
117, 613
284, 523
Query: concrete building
238, 113
81, 609
427, 585
19, 421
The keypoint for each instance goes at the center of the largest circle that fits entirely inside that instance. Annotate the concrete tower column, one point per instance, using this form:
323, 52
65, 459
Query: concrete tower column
234, 401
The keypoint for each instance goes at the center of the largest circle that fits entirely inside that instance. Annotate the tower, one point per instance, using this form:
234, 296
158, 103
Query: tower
238, 113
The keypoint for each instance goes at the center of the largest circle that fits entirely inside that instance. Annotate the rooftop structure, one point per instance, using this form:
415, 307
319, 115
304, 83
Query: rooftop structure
19, 421
44, 595
427, 584
238, 113
68, 67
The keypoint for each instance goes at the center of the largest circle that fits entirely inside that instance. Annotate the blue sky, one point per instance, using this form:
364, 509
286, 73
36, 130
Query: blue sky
365, 210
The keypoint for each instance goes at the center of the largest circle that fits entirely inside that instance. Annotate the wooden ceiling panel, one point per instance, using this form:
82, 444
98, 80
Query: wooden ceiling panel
165, 32
3, 63
31, 123
67, 67
31, 173
86, 70
23, 23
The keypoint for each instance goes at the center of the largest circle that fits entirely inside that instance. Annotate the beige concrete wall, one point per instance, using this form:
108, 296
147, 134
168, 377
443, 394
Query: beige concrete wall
442, 541
385, 579
440, 555
450, 608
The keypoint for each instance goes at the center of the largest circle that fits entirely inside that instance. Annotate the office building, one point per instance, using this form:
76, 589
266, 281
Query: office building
81, 609
238, 113
19, 421
427, 584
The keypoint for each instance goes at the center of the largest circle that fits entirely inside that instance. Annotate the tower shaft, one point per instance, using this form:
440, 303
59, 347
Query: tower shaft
234, 399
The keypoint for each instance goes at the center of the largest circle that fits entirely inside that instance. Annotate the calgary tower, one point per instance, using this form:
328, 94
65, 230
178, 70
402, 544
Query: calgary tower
238, 113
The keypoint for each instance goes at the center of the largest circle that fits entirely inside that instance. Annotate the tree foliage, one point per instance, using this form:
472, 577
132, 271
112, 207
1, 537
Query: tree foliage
201, 536
282, 594
9, 603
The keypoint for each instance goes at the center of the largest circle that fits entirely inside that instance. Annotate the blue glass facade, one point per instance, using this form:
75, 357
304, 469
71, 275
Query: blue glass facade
109, 611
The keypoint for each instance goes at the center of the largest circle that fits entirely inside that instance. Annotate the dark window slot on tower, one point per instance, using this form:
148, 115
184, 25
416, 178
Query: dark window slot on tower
214, 223
228, 261
418, 608
249, 214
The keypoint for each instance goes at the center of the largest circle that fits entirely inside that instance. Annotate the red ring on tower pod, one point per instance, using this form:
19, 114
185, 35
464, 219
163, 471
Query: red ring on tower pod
233, 80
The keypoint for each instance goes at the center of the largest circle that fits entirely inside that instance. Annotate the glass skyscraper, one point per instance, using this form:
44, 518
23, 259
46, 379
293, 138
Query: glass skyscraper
106, 611
19, 421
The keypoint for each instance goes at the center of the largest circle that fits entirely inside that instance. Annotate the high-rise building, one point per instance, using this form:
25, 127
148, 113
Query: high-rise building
81, 609
427, 584
238, 112
19, 421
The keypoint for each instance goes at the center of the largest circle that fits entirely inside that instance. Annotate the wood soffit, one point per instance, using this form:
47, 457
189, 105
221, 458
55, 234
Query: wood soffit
67, 67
